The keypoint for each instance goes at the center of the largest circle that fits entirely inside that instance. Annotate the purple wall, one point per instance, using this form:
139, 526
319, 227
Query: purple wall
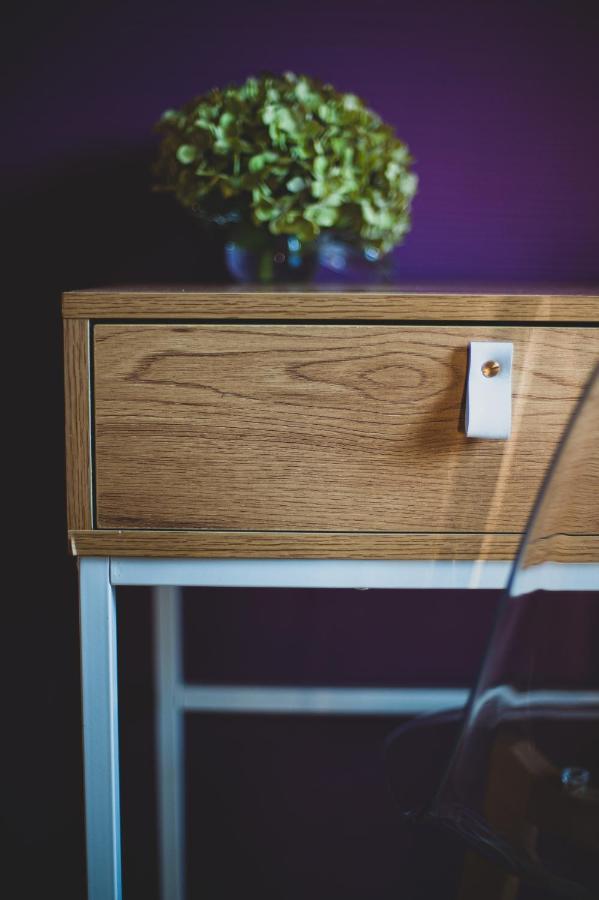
498, 102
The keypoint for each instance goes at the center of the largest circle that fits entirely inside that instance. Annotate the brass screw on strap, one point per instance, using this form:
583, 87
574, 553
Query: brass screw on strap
491, 368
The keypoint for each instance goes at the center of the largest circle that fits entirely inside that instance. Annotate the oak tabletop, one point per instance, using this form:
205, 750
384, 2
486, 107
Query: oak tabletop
420, 302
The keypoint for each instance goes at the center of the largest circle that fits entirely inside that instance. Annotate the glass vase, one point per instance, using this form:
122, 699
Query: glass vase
255, 256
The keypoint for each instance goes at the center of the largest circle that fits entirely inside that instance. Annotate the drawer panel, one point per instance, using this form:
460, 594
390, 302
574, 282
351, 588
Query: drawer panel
321, 428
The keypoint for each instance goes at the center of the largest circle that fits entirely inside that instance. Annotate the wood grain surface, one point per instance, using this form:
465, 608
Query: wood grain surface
77, 423
570, 502
292, 545
321, 428
315, 545
383, 304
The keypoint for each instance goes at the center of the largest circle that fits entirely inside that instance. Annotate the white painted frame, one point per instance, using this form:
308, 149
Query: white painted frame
99, 692
311, 573
99, 578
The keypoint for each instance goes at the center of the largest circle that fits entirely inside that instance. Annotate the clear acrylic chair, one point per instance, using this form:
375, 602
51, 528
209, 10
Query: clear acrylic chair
522, 784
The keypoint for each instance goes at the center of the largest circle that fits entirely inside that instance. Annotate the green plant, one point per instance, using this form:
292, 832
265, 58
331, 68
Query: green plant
291, 155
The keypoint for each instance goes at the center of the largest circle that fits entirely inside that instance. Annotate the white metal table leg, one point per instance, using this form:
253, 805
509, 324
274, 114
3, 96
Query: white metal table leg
100, 729
169, 741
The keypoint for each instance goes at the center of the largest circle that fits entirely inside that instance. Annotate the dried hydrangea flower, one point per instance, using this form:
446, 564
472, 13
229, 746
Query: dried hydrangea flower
291, 155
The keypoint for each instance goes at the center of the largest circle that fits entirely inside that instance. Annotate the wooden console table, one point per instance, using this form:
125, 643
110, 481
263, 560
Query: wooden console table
315, 438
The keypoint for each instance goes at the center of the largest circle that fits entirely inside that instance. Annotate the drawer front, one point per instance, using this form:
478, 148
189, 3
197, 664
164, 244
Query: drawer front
321, 428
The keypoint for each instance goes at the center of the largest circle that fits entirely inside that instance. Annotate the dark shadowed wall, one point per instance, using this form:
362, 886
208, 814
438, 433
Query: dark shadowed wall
498, 102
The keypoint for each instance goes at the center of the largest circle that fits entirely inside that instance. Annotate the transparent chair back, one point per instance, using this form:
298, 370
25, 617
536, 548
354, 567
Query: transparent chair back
522, 786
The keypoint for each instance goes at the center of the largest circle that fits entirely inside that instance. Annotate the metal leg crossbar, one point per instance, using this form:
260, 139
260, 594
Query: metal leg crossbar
99, 578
